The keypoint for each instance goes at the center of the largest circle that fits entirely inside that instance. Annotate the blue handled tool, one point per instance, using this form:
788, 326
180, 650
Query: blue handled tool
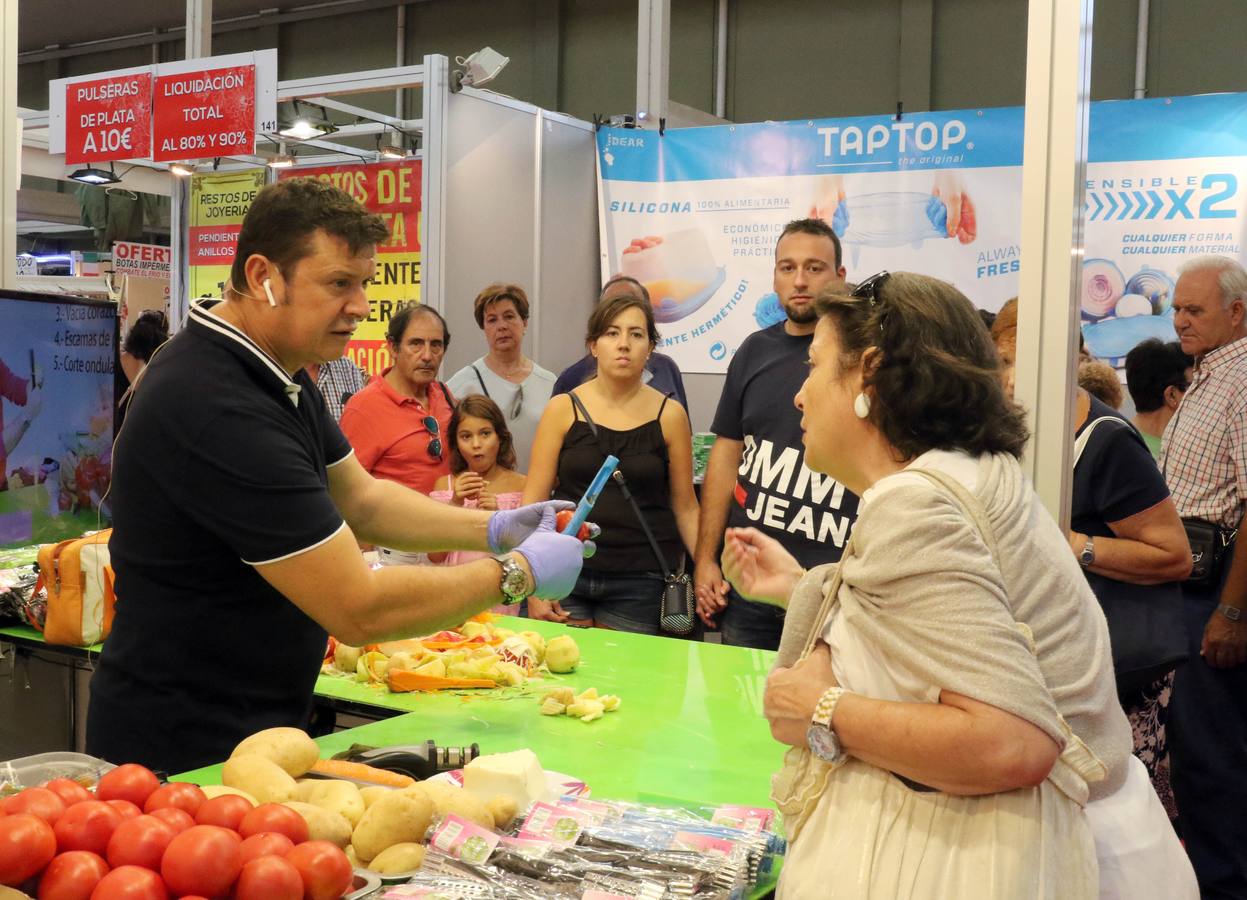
591, 495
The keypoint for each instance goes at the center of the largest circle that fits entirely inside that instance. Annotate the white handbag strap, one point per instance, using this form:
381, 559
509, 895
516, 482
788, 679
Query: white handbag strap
1081, 443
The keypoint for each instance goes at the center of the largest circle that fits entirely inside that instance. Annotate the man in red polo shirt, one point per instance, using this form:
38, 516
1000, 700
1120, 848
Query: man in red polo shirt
398, 422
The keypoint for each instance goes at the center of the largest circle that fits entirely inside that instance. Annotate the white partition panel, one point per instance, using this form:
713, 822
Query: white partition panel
520, 207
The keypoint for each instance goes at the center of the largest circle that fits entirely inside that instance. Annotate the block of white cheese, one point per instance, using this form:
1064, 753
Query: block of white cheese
517, 775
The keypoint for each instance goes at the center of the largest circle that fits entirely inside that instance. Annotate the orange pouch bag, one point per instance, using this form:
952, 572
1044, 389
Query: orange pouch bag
79, 581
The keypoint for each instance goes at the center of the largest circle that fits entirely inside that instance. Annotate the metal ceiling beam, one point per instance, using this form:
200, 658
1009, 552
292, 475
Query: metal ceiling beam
262, 19
352, 83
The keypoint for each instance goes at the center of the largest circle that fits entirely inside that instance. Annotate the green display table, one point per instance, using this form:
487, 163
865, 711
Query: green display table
26, 636
690, 730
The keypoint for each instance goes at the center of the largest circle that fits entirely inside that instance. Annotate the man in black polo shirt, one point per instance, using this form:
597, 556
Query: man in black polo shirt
238, 505
757, 476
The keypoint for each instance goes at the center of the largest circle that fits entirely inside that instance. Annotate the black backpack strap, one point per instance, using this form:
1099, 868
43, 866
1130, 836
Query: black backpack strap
619, 479
484, 389
450, 401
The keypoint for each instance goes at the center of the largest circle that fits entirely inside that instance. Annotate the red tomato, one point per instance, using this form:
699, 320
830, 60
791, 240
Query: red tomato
178, 795
127, 809
324, 868
130, 883
269, 878
266, 843
37, 801
561, 520
140, 842
72, 876
27, 844
204, 859
69, 791
274, 817
87, 826
129, 782
226, 811
180, 819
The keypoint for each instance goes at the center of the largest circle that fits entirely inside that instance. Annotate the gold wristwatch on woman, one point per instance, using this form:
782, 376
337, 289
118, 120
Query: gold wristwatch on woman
821, 735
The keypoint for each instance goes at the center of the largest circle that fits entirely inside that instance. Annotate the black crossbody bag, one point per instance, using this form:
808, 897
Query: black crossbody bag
1210, 544
675, 615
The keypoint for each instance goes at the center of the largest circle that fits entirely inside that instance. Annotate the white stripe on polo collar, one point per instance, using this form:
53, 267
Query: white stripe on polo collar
202, 313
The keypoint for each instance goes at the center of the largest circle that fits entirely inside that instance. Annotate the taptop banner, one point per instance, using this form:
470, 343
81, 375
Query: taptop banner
392, 190
695, 214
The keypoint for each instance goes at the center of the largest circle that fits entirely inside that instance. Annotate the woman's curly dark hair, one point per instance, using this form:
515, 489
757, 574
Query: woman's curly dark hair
935, 380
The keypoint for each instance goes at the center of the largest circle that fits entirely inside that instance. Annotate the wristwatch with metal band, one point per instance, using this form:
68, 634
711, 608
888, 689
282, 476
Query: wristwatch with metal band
1233, 613
821, 736
514, 582
1087, 557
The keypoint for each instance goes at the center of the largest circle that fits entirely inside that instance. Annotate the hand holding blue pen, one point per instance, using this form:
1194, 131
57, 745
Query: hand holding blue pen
591, 495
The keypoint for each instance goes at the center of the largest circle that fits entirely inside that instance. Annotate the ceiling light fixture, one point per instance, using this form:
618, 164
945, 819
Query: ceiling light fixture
305, 126
182, 169
92, 175
281, 160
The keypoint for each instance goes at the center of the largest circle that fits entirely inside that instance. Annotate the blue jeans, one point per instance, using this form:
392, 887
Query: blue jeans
624, 601
745, 623
1207, 735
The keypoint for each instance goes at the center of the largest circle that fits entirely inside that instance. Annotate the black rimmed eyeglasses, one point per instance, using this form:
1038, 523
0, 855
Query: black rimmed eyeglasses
434, 429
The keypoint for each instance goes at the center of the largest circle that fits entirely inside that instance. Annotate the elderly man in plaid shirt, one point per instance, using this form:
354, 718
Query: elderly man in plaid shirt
1204, 458
339, 380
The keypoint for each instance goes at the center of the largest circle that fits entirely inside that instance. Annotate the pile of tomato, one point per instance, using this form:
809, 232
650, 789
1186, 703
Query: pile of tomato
138, 839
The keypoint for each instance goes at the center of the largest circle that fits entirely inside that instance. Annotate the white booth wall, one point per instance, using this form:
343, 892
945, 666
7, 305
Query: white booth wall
521, 206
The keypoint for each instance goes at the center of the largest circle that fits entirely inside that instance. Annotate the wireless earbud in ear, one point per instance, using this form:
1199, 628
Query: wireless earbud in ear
268, 290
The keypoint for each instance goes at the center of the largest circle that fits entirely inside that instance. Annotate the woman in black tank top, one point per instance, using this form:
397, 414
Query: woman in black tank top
620, 586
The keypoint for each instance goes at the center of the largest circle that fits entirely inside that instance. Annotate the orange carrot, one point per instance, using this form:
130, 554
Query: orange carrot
403, 680
340, 768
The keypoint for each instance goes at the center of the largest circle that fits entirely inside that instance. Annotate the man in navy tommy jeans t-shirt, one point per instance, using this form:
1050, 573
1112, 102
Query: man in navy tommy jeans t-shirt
756, 476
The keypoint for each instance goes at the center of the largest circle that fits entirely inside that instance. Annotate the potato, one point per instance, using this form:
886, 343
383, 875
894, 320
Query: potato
290, 748
371, 794
562, 654
323, 824
341, 797
399, 818
465, 806
352, 858
345, 657
404, 857
402, 660
220, 790
504, 809
260, 777
436, 792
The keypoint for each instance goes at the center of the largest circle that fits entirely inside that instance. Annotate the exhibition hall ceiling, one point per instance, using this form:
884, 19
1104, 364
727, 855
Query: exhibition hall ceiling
42, 23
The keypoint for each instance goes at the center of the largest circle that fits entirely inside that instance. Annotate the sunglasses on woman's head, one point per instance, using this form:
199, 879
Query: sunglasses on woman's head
868, 290
435, 445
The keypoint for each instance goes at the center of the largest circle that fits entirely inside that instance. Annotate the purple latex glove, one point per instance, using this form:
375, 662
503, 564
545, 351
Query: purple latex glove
554, 558
508, 528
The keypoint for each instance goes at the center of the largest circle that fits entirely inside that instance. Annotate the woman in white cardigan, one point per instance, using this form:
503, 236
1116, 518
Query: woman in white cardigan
947, 690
